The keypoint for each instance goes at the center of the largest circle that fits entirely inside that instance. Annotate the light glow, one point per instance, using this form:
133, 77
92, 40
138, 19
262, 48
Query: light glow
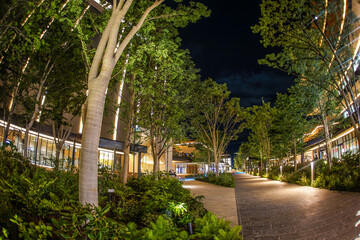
42, 103
325, 21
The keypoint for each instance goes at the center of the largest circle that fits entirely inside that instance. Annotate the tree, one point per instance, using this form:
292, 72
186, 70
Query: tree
110, 48
290, 123
22, 36
249, 151
239, 161
64, 96
314, 37
163, 105
59, 34
220, 120
323, 107
259, 121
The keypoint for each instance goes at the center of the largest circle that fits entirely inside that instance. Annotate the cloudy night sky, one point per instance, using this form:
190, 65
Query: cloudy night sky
225, 49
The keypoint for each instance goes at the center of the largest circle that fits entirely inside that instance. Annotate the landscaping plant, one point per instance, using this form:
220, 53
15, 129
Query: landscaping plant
38, 203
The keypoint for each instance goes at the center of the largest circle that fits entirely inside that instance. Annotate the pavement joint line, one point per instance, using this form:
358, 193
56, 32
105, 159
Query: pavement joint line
290, 211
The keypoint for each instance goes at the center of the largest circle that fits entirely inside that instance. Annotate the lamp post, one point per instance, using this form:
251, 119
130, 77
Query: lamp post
312, 173
281, 172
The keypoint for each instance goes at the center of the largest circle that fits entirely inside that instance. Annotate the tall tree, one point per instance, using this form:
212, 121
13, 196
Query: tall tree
110, 48
220, 118
321, 105
314, 37
22, 36
259, 121
56, 30
290, 123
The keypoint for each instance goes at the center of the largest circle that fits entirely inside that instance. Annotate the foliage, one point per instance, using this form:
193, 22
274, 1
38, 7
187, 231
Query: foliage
210, 227
343, 176
165, 98
224, 179
239, 160
218, 119
42, 204
259, 121
275, 172
314, 43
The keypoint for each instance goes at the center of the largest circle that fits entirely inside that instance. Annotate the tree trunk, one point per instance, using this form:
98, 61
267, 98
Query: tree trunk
261, 157
327, 140
156, 167
8, 122
295, 153
216, 159
106, 56
88, 178
153, 144
125, 169
26, 141
28, 127
130, 118
57, 157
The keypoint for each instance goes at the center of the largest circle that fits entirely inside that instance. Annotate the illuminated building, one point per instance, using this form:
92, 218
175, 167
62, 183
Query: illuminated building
184, 163
343, 140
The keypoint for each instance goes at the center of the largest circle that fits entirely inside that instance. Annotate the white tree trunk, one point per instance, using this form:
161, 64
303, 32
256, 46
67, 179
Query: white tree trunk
106, 56
88, 184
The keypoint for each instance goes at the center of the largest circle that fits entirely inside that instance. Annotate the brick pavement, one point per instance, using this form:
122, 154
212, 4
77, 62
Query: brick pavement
218, 199
272, 210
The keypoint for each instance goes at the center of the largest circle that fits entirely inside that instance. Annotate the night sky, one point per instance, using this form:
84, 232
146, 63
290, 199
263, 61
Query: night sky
225, 49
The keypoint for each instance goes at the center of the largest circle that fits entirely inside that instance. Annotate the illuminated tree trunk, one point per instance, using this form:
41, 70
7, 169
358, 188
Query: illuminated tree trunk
107, 54
88, 187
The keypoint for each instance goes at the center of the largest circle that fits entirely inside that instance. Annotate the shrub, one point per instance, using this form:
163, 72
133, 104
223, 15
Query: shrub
224, 179
210, 227
344, 174
43, 204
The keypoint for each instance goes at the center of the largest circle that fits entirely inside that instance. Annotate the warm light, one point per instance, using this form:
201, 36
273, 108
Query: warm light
312, 172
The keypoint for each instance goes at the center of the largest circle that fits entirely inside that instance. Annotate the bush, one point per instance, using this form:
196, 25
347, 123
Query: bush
42, 204
343, 176
224, 179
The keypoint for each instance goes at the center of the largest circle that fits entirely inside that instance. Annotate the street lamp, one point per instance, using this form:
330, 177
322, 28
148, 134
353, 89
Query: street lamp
312, 173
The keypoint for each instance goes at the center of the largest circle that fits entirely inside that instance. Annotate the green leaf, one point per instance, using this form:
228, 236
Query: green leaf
89, 217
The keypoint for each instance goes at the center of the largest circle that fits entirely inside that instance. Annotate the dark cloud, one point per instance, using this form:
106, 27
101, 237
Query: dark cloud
251, 88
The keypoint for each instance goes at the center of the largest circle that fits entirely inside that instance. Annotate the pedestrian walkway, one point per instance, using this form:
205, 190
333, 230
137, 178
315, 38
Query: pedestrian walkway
276, 211
218, 199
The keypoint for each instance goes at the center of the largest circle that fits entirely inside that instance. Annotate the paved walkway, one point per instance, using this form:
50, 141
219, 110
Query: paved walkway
275, 210
218, 199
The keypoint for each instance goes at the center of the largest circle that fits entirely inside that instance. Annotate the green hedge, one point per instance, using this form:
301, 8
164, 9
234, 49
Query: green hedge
224, 179
343, 176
